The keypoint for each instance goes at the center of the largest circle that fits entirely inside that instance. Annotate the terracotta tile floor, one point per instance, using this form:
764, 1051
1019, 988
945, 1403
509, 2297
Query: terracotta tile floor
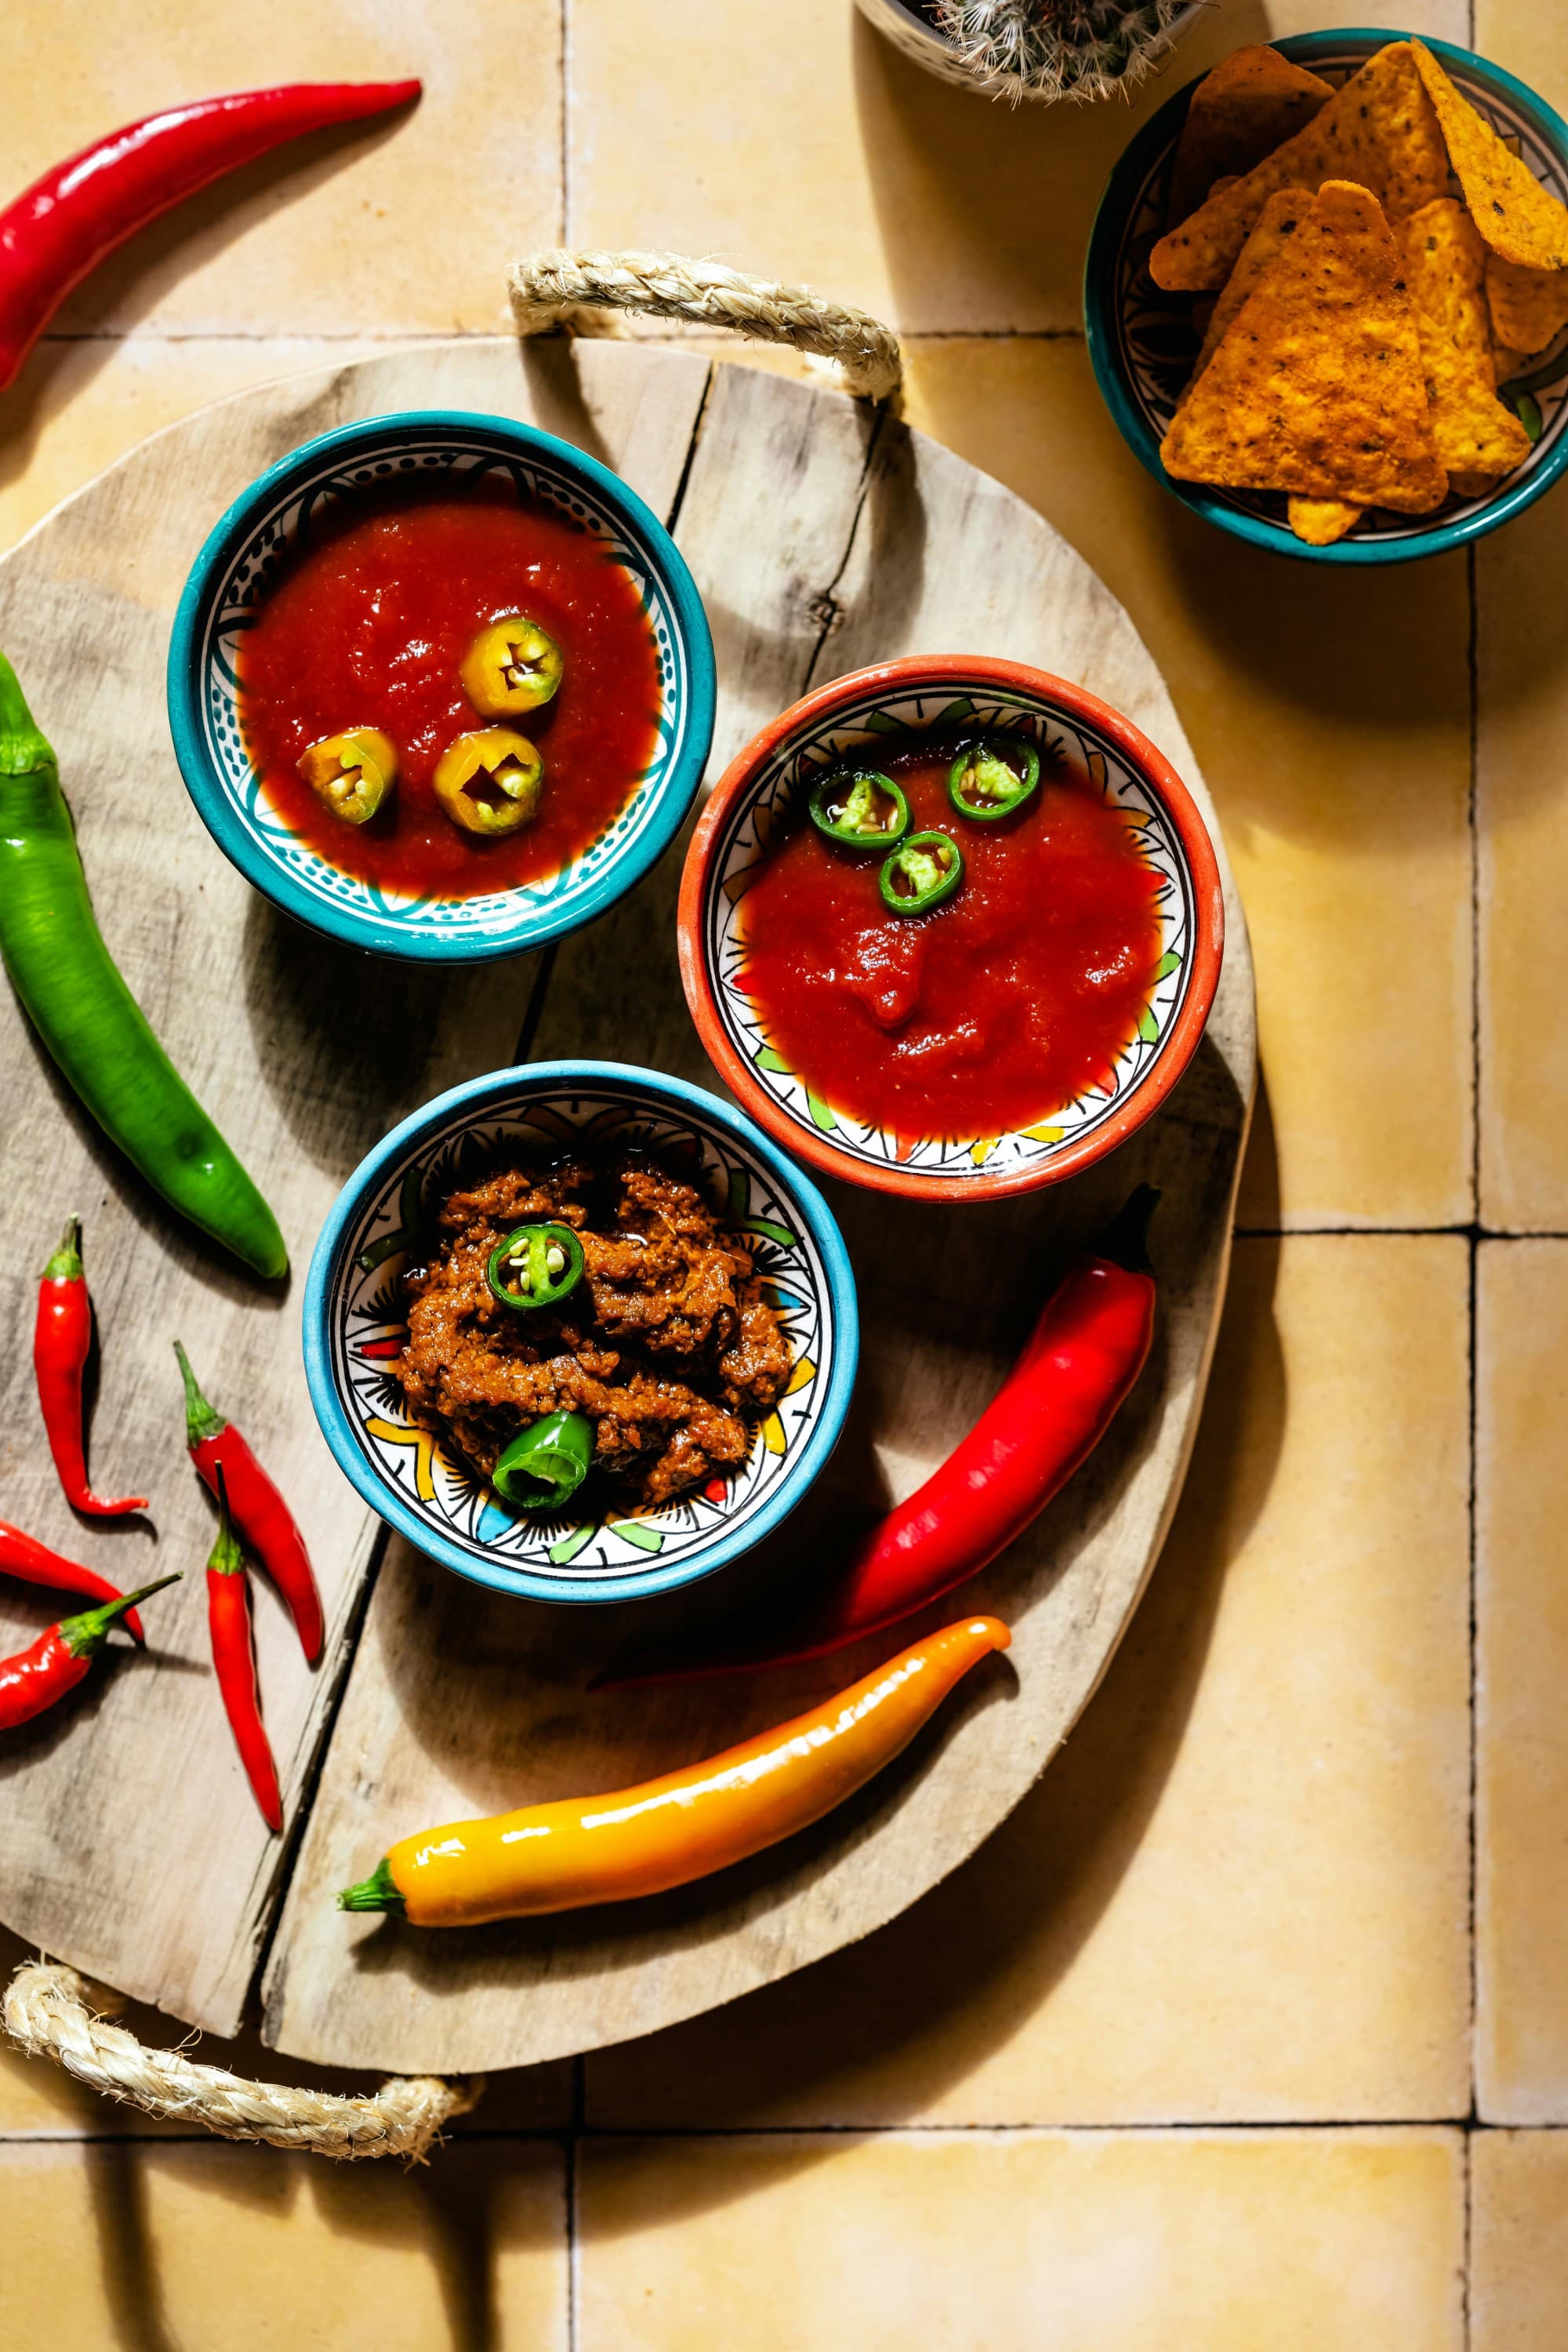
1211, 2045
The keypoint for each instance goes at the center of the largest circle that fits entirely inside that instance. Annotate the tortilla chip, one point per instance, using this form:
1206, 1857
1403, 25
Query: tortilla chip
1514, 212
1319, 521
1240, 113
1379, 130
1319, 388
1444, 270
1529, 307
1472, 485
1276, 224
1507, 363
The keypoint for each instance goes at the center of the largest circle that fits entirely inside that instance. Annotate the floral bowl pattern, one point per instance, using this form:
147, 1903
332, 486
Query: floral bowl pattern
775, 772
234, 570
354, 1322
1143, 344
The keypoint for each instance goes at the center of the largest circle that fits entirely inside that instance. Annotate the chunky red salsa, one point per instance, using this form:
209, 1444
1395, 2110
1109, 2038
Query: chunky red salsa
368, 628
991, 1012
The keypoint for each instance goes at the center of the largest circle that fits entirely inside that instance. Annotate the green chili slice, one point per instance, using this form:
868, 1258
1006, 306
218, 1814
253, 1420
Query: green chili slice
921, 873
861, 808
539, 1265
993, 776
544, 1465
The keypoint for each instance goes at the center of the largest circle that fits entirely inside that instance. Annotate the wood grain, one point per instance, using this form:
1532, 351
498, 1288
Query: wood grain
821, 539
129, 1842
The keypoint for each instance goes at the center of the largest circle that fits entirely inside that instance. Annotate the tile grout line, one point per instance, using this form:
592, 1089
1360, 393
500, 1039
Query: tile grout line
574, 2138
1472, 667
565, 121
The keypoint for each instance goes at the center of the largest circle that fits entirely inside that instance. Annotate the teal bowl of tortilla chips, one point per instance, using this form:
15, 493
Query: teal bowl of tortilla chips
1385, 348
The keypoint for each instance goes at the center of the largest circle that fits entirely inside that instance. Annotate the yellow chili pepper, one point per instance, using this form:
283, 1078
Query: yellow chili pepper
351, 773
511, 666
583, 1850
489, 782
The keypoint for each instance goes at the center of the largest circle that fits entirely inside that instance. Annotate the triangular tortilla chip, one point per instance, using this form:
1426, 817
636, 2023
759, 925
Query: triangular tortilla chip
1320, 522
1514, 212
1254, 100
1275, 225
1529, 307
1318, 388
1507, 363
1472, 485
1379, 129
1445, 265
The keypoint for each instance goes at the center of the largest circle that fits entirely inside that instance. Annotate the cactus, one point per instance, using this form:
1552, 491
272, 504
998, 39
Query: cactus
1074, 50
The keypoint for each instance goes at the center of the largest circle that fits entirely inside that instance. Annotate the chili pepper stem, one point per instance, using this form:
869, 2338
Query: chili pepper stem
83, 1635
66, 1265
377, 1893
201, 1421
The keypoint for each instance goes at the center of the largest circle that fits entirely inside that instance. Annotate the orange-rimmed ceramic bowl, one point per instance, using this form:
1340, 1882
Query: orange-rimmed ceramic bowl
760, 792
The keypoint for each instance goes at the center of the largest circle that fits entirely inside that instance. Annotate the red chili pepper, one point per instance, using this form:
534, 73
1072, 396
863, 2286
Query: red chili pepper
61, 1339
25, 1557
1077, 1365
234, 1656
67, 223
58, 1660
261, 1515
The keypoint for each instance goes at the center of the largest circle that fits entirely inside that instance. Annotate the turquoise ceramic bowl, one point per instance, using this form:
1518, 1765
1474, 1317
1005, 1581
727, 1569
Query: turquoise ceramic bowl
354, 1320
242, 557
1143, 344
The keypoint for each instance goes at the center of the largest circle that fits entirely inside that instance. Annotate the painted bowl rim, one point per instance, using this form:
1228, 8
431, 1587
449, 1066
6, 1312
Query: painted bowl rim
235, 837
700, 879
671, 1095
1127, 175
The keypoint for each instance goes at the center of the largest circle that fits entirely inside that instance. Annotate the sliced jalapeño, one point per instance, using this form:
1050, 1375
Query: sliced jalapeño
539, 1265
993, 776
921, 872
861, 808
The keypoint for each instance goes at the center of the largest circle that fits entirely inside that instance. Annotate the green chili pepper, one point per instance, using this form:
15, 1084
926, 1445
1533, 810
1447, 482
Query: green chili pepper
860, 809
76, 999
921, 873
993, 777
544, 1466
538, 1266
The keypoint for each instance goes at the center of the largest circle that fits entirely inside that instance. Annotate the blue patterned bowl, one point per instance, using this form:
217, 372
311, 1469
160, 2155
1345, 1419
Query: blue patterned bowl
353, 1321
1143, 344
237, 565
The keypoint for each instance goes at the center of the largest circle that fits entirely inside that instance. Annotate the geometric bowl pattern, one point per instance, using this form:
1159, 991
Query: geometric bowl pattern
354, 1322
1142, 341
243, 557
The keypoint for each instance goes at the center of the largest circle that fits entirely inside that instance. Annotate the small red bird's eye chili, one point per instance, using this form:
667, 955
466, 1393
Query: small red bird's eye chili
261, 1515
35, 1678
69, 221
62, 1336
234, 1660
25, 1557
1087, 1346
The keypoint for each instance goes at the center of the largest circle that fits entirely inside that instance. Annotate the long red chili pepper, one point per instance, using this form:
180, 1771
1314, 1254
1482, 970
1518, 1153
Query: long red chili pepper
64, 225
234, 1657
261, 1515
62, 1336
25, 1557
35, 1678
1087, 1349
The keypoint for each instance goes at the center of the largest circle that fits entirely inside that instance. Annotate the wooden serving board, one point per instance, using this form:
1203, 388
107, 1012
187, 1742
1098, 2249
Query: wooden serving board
823, 536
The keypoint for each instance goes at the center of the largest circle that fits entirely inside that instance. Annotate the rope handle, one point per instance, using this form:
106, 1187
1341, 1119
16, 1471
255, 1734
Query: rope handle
544, 285
49, 2013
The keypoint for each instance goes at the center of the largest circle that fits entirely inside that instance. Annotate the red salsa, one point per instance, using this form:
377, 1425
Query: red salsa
368, 627
991, 1012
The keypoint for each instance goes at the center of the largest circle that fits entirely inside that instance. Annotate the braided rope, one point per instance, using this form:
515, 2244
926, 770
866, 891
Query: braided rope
667, 286
48, 2015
